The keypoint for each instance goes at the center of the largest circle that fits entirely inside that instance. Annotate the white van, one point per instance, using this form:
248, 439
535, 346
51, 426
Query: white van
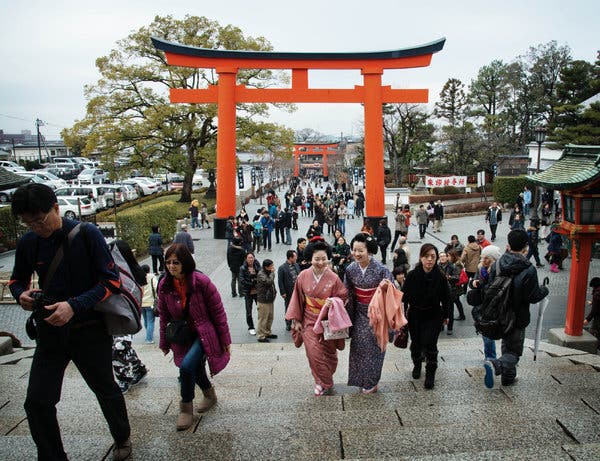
97, 192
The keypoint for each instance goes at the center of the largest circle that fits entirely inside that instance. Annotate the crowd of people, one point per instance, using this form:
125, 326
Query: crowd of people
324, 278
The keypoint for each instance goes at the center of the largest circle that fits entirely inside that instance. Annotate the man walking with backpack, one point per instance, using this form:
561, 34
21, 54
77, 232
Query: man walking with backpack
524, 290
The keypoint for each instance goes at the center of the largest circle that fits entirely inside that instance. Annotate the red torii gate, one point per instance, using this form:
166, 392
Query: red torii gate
324, 149
372, 94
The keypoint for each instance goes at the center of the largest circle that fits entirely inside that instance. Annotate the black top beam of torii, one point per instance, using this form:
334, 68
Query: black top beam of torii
177, 48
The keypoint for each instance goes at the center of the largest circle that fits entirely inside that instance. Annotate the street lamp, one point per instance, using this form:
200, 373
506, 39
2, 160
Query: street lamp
540, 137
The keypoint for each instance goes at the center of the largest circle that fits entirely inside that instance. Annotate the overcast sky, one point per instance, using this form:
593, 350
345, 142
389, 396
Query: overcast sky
48, 48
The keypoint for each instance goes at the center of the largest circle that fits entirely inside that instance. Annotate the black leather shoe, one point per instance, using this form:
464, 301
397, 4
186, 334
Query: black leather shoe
272, 336
262, 340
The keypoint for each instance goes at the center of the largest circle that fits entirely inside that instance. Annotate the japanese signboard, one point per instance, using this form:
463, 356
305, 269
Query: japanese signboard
456, 181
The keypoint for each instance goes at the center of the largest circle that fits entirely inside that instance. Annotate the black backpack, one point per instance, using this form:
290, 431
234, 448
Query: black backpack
496, 317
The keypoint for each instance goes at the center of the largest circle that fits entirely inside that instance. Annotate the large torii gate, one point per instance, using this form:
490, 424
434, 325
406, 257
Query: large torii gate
227, 93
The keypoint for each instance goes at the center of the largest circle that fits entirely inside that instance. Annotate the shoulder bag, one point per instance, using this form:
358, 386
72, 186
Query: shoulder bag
179, 331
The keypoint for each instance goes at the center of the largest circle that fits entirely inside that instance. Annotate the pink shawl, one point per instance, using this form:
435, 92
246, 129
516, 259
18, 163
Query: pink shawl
386, 312
336, 314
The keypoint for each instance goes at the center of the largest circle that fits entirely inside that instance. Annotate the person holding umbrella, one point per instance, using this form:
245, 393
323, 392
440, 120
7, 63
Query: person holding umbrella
525, 290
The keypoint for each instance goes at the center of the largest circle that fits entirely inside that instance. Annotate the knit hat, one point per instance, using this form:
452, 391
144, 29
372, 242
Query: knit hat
491, 251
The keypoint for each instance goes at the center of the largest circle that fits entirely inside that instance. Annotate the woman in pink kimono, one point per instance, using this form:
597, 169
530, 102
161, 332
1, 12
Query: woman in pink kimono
313, 288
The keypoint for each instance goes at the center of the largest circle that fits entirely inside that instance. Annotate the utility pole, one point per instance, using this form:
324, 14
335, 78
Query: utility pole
39, 123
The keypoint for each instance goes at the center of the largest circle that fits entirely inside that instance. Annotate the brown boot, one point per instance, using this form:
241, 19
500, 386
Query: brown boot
186, 416
209, 399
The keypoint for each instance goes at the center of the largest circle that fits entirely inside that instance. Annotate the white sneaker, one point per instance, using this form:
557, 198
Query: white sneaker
252, 331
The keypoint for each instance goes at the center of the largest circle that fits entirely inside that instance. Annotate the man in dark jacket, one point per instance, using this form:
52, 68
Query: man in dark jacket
286, 279
384, 237
438, 214
230, 229
235, 258
67, 326
525, 290
494, 217
300, 250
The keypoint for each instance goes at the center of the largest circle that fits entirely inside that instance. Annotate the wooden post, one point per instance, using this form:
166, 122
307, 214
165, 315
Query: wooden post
580, 265
374, 183
296, 164
226, 153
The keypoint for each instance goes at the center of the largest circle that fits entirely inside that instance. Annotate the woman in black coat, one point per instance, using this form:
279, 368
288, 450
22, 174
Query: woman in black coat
427, 301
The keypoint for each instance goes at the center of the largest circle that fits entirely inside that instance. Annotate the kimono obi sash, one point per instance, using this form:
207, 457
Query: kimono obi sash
364, 295
314, 305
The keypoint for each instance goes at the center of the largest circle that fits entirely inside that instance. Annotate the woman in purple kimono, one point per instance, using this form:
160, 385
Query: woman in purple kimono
314, 286
362, 279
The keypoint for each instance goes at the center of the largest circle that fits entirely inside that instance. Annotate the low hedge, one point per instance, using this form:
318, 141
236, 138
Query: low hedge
446, 190
8, 227
508, 188
135, 224
418, 199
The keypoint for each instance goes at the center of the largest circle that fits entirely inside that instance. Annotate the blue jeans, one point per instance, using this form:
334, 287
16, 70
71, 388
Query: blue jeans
195, 222
266, 239
148, 317
288, 236
192, 371
342, 226
489, 348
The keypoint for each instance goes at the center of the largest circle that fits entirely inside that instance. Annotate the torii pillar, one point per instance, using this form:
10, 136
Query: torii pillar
227, 94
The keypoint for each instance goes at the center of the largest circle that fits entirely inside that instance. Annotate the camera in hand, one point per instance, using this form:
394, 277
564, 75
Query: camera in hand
39, 301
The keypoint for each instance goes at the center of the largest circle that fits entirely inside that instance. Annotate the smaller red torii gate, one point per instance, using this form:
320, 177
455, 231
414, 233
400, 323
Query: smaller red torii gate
323, 149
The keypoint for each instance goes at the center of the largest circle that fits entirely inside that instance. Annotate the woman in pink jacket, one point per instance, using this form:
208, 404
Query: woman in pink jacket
185, 293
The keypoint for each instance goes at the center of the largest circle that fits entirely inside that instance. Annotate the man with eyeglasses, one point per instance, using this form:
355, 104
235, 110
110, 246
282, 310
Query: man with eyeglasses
67, 326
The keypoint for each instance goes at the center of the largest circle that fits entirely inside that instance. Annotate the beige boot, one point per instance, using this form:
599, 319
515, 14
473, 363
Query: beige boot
186, 415
209, 399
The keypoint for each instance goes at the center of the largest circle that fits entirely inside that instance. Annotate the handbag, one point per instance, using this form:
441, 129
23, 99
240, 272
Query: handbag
401, 339
330, 335
179, 331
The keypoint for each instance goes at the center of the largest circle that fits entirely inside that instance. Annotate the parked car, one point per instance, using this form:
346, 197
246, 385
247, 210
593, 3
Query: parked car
98, 193
68, 161
6, 195
198, 178
65, 172
115, 194
175, 181
86, 162
144, 186
92, 176
11, 166
46, 178
130, 192
74, 207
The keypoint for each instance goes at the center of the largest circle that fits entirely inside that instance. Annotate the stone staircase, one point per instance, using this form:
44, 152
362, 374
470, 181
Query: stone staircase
266, 410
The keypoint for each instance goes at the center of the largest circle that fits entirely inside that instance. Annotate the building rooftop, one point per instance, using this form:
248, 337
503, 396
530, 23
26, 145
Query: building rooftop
577, 166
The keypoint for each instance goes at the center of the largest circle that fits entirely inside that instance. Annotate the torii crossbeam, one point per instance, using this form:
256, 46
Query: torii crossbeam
227, 93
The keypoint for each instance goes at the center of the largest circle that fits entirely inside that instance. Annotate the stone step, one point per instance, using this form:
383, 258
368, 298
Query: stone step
17, 355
